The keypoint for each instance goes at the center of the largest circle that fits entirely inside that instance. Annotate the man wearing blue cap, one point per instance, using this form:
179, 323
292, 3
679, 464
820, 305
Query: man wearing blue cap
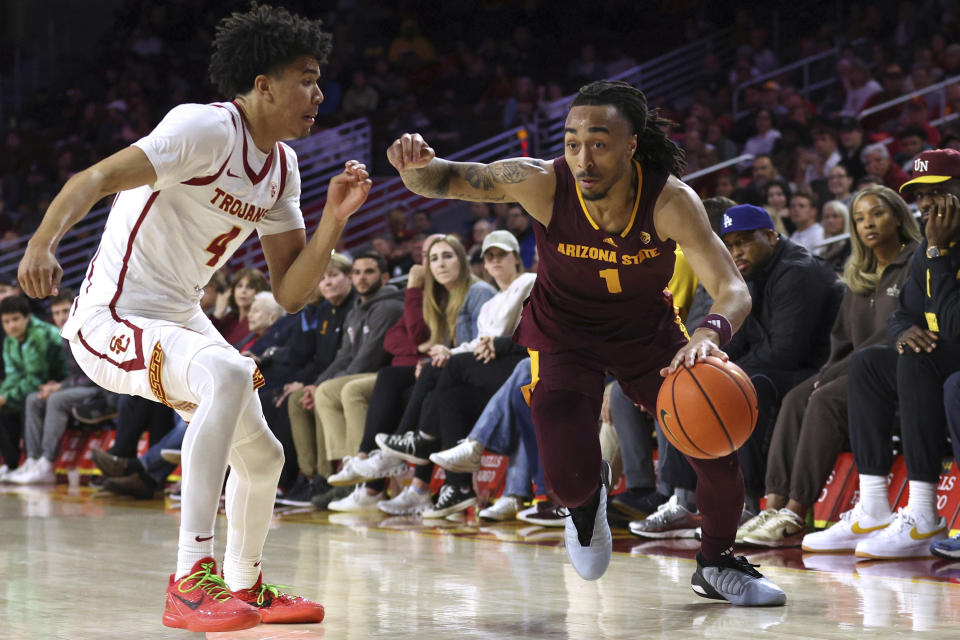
786, 337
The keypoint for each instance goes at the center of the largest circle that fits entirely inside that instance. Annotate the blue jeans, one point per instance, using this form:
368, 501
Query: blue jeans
155, 466
506, 427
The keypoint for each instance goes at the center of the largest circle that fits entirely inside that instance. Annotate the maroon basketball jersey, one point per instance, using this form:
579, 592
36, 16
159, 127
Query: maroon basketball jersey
595, 287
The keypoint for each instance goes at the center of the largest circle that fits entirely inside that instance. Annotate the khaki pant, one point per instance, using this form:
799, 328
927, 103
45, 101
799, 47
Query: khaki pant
308, 440
341, 409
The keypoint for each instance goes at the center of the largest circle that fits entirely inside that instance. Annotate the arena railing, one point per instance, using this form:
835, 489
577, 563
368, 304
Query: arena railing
939, 86
320, 156
668, 77
386, 195
720, 166
808, 86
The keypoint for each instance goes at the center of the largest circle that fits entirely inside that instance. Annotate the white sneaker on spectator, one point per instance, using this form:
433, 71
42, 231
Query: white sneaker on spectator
347, 475
4, 472
40, 472
408, 502
845, 535
358, 500
463, 458
379, 465
172, 456
505, 508
754, 523
908, 536
15, 474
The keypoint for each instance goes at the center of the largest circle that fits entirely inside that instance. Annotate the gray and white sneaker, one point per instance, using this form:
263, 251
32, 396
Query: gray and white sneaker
347, 475
358, 500
463, 458
737, 581
505, 508
379, 464
587, 533
408, 502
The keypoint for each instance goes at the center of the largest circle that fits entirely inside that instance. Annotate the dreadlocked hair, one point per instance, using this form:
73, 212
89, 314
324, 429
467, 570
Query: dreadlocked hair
262, 41
653, 145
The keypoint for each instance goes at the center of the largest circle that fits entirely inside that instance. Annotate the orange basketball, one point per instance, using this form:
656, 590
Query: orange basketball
707, 410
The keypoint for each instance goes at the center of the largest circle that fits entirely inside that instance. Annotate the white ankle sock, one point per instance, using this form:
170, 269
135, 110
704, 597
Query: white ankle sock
873, 496
240, 573
192, 548
923, 500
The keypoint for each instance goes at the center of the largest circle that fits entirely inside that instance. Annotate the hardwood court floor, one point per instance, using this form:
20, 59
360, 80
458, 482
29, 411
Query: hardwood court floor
75, 565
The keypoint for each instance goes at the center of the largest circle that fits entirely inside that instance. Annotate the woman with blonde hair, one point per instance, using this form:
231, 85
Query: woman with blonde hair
811, 428
441, 306
835, 219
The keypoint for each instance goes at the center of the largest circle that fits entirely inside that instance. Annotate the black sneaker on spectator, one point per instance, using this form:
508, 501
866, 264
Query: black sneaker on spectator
412, 446
638, 503
450, 500
323, 500
94, 411
544, 514
300, 494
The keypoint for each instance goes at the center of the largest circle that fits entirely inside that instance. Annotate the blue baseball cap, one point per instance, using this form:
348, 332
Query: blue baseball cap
745, 217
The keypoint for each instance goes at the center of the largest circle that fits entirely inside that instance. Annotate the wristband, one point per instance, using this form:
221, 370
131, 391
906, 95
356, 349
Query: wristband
719, 324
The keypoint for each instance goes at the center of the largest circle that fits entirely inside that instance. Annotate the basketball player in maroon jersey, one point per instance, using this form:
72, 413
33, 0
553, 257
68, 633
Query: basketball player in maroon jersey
609, 214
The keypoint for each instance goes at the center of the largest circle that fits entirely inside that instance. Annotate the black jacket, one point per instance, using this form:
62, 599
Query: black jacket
796, 297
936, 308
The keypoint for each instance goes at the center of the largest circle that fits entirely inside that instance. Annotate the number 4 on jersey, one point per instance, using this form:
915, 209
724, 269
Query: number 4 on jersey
218, 246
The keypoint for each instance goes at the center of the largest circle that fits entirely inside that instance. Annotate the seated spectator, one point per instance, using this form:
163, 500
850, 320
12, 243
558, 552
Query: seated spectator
886, 120
858, 84
811, 428
777, 204
877, 163
786, 336
472, 372
765, 137
360, 98
910, 142
840, 184
504, 427
47, 410
265, 319
925, 329
320, 429
422, 224
32, 355
519, 224
824, 157
451, 301
950, 548
803, 215
835, 219
230, 313
762, 172
312, 346
851, 146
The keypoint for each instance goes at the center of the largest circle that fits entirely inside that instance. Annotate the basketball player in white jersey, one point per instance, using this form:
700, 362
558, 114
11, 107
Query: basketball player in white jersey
188, 194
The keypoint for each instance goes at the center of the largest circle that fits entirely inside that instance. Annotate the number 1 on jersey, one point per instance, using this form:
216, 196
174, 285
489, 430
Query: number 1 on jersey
612, 278
218, 246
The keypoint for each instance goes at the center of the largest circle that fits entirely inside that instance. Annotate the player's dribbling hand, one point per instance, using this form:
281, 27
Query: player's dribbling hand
349, 190
410, 151
700, 346
39, 273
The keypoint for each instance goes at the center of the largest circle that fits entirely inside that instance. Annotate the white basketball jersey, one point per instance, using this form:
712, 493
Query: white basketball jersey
163, 242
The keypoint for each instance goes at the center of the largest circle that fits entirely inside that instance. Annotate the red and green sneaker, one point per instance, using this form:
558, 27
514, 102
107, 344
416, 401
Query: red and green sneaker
275, 606
201, 601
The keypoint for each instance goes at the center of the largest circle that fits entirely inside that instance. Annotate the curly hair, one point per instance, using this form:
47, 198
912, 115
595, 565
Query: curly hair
653, 145
262, 41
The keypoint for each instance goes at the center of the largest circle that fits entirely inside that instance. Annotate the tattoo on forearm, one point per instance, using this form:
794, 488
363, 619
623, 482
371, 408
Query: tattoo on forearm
434, 180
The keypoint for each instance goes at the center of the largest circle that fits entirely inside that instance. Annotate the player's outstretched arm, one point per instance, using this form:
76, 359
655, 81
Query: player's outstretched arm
680, 215
529, 181
296, 266
39, 272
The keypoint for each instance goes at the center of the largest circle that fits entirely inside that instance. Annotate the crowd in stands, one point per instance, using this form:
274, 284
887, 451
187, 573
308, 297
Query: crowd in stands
851, 309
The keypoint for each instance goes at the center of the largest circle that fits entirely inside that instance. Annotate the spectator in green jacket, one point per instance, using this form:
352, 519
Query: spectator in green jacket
32, 355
